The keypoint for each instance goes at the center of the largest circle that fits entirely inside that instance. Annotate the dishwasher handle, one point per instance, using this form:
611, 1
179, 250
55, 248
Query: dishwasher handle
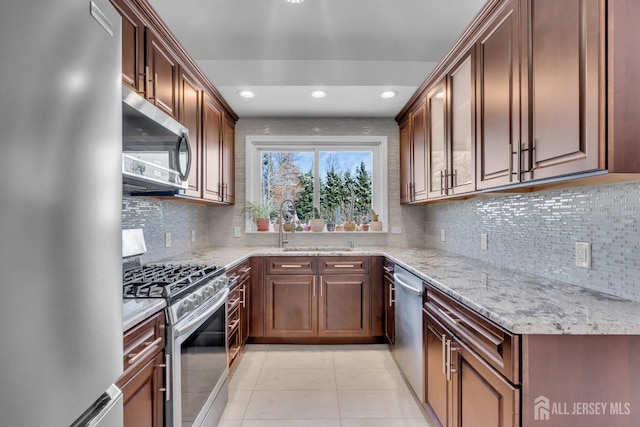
405, 285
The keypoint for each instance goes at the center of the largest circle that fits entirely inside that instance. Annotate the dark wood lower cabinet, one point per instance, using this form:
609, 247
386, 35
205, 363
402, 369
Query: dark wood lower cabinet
344, 305
143, 396
291, 306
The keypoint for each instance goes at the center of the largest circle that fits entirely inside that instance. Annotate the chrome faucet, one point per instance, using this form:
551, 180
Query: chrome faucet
288, 215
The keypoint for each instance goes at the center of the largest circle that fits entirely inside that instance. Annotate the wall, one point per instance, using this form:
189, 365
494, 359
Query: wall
536, 233
157, 217
410, 218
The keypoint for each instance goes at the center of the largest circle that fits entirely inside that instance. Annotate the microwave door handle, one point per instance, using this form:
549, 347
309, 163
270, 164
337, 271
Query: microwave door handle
184, 139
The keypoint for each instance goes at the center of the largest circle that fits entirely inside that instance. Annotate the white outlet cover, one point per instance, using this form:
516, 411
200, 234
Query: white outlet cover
443, 235
396, 230
193, 235
237, 231
583, 254
167, 240
484, 241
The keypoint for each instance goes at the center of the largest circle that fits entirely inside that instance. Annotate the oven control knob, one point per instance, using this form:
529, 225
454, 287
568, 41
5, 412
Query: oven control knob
184, 308
207, 291
196, 300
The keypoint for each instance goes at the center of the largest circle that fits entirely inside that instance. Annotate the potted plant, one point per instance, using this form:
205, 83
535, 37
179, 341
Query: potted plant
259, 212
317, 223
375, 224
349, 224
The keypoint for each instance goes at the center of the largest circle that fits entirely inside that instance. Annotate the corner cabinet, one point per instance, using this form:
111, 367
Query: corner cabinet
413, 155
534, 93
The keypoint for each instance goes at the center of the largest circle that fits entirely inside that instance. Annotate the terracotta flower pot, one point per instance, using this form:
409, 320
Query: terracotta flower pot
376, 226
263, 224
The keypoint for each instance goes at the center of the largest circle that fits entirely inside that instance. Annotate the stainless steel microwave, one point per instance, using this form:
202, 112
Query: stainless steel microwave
156, 153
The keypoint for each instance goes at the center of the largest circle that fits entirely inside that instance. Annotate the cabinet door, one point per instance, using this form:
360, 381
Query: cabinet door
406, 165
419, 152
133, 29
228, 160
344, 305
437, 393
481, 396
291, 306
211, 135
498, 100
436, 139
461, 171
566, 57
190, 117
143, 396
162, 75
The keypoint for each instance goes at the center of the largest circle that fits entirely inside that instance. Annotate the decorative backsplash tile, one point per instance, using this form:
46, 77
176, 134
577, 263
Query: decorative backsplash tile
536, 233
157, 217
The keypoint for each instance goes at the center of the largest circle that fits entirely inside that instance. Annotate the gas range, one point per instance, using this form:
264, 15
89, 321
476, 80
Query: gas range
185, 287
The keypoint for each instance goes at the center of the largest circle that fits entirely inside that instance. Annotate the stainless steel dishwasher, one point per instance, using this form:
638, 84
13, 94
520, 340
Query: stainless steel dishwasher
408, 318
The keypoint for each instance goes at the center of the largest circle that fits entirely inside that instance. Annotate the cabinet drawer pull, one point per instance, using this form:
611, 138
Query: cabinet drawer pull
291, 266
447, 315
344, 266
391, 300
314, 286
148, 350
244, 296
162, 389
388, 269
444, 355
246, 270
448, 359
234, 324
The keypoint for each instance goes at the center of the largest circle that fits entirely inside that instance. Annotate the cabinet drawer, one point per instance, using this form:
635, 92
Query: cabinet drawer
239, 274
496, 346
291, 265
344, 265
142, 343
388, 269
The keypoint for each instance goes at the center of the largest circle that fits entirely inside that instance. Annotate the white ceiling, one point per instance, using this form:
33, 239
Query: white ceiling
352, 49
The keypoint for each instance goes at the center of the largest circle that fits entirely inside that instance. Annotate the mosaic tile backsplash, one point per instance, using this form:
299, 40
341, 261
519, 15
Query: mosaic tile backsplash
536, 233
157, 217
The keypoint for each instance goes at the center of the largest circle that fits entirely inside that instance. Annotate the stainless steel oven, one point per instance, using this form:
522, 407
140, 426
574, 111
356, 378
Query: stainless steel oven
198, 354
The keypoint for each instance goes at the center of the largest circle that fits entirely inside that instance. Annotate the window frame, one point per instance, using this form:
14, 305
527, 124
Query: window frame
378, 145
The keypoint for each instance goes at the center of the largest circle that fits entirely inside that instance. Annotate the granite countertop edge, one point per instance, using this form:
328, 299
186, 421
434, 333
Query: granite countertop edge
518, 302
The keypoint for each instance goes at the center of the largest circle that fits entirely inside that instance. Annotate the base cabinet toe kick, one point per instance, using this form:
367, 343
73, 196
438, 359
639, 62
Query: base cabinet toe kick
477, 374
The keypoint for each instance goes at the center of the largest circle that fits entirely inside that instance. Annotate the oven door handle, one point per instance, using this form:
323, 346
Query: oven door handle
181, 329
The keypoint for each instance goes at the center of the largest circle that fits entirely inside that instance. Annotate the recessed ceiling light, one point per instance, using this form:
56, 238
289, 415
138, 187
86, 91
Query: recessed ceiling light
318, 94
388, 94
295, 1
246, 94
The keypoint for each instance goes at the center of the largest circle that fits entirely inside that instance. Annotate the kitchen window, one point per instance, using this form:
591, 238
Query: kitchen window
344, 177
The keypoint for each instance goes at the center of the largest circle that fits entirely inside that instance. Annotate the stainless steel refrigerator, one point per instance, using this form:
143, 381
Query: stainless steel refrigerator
60, 213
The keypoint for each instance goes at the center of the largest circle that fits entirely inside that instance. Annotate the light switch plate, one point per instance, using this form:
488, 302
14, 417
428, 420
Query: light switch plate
237, 232
167, 240
193, 236
583, 254
443, 235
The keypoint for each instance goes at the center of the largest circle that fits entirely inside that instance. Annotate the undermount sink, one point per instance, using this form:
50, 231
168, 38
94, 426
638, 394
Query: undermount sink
317, 248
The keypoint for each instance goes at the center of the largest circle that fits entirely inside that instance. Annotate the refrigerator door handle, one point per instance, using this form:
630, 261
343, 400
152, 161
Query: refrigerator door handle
92, 416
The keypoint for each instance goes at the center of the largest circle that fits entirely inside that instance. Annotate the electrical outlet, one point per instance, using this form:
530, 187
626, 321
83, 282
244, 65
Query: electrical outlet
396, 230
167, 240
237, 232
483, 241
583, 254
193, 236
443, 235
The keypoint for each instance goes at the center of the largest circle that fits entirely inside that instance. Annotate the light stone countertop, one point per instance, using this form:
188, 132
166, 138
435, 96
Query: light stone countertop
135, 311
520, 303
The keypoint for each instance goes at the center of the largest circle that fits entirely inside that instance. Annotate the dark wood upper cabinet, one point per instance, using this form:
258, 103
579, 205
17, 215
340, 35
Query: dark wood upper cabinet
162, 75
536, 92
565, 100
191, 117
212, 150
228, 177
133, 46
498, 99
413, 156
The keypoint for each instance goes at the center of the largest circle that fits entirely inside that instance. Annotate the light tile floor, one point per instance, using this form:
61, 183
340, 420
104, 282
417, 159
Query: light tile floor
320, 386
